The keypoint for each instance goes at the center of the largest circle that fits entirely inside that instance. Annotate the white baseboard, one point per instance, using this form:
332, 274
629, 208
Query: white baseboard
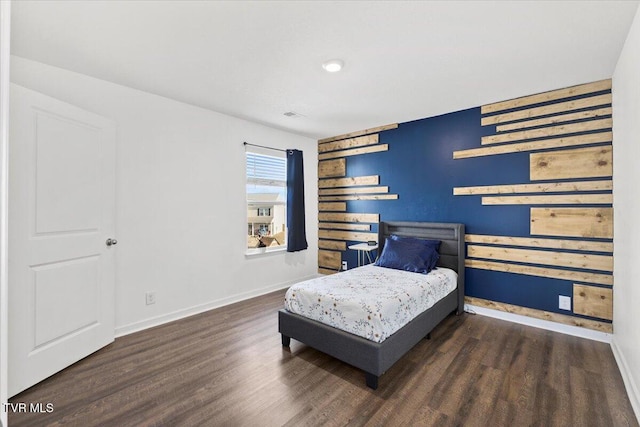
629, 383
542, 324
200, 308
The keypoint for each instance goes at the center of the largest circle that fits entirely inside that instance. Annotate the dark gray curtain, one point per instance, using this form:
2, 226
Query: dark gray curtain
296, 233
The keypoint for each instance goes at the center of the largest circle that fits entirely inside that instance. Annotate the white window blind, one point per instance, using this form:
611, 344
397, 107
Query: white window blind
266, 170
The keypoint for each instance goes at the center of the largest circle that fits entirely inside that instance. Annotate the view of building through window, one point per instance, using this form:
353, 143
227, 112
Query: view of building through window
266, 200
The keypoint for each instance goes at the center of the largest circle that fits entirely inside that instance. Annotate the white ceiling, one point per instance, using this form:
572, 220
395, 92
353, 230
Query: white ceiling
258, 60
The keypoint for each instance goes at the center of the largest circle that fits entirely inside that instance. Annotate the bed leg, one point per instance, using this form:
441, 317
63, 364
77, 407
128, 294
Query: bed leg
372, 380
286, 341
429, 336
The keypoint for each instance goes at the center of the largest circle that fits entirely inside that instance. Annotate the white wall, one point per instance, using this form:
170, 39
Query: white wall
181, 210
5, 13
626, 199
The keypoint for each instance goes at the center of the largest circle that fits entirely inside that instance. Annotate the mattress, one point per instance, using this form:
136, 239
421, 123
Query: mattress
371, 302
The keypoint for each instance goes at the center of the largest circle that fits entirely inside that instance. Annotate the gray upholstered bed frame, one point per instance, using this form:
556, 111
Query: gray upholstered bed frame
375, 358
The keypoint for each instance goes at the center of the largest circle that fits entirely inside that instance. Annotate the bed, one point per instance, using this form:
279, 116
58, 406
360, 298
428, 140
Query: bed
375, 358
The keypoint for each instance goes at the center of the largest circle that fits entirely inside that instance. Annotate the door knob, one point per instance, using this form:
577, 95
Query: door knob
110, 242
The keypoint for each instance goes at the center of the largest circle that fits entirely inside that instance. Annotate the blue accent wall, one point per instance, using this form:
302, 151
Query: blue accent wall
420, 168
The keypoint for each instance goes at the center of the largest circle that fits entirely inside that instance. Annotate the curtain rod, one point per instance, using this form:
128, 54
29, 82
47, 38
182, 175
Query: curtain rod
262, 146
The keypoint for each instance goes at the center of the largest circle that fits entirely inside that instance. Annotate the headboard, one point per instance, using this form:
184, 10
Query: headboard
451, 249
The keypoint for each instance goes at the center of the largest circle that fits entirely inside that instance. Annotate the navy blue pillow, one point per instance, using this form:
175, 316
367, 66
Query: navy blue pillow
432, 255
405, 255
433, 243
432, 259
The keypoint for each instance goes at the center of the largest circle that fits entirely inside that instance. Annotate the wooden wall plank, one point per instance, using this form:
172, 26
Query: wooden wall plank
354, 152
333, 245
576, 245
546, 187
558, 199
353, 236
541, 314
359, 133
560, 107
354, 190
349, 217
552, 95
593, 301
569, 141
349, 181
331, 168
332, 206
580, 115
329, 259
361, 197
326, 271
578, 276
546, 132
360, 141
590, 162
345, 226
572, 222
532, 256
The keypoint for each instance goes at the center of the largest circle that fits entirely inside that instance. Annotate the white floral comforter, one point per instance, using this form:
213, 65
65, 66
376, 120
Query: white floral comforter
371, 302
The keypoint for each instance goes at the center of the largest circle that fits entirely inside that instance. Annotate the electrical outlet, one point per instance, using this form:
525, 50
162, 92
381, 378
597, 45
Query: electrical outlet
344, 265
564, 302
150, 298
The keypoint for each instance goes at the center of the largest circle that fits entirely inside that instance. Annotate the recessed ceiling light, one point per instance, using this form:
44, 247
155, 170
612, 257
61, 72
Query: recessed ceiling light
333, 65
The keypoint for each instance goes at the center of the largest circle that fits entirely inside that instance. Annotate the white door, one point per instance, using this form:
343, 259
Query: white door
61, 213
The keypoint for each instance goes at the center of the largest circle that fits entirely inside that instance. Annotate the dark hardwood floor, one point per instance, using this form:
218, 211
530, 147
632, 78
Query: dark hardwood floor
227, 367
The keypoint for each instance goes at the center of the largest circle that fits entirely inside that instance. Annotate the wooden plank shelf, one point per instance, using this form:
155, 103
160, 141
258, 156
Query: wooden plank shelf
546, 132
331, 168
361, 197
559, 199
329, 259
552, 95
354, 152
572, 222
561, 107
349, 217
353, 190
332, 206
543, 144
348, 143
578, 276
345, 226
349, 181
580, 115
546, 187
347, 235
359, 133
575, 245
332, 244
593, 301
543, 257
590, 162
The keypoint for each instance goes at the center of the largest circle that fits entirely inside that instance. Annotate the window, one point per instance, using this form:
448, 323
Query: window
264, 211
266, 201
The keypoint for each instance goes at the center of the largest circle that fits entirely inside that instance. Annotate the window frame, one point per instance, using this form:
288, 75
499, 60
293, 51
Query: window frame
267, 180
264, 211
